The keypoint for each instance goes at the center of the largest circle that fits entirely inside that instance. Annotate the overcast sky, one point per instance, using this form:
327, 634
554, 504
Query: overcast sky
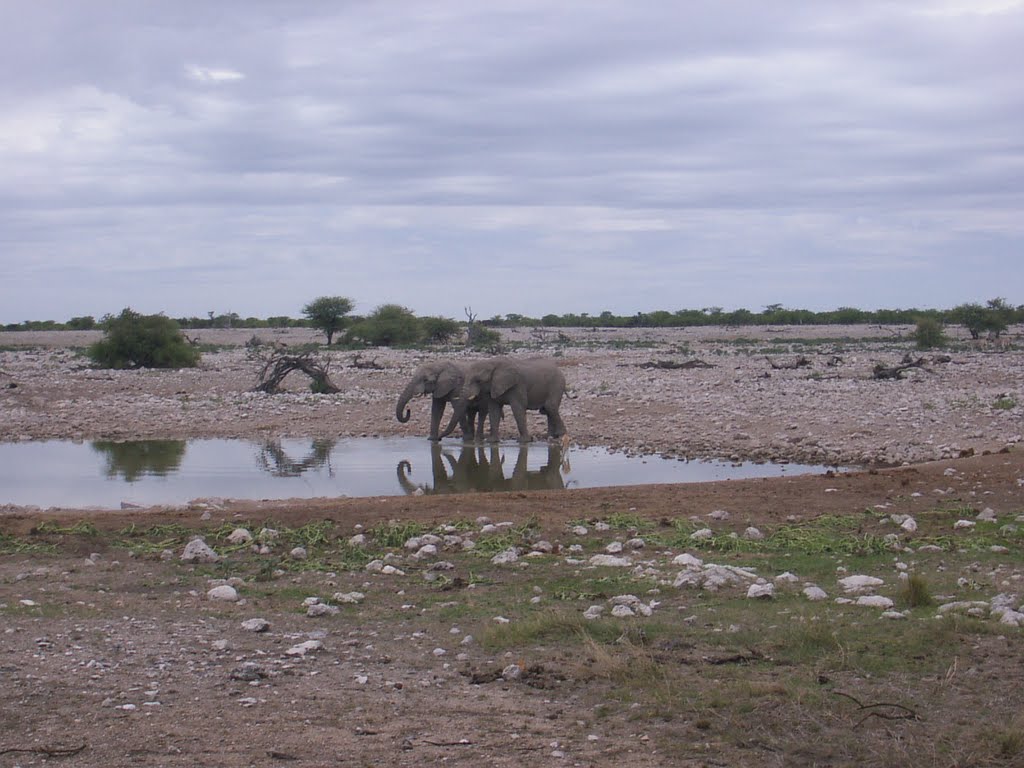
509, 155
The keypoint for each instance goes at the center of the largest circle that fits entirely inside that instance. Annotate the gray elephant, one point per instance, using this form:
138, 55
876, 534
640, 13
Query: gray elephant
534, 384
443, 381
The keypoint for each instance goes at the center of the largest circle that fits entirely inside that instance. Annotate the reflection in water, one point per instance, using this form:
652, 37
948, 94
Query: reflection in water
274, 459
481, 468
140, 458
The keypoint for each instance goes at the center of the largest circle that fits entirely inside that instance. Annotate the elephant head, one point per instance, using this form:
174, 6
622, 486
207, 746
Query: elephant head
438, 378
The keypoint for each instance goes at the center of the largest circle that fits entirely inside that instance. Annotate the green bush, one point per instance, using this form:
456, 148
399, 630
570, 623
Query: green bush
142, 341
439, 330
387, 326
929, 333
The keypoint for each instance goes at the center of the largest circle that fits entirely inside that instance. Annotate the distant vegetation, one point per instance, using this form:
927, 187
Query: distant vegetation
393, 324
132, 340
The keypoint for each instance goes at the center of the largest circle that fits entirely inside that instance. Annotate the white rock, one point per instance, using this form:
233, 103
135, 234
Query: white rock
636, 543
909, 525
702, 535
506, 557
512, 672
786, 578
961, 524
224, 593
348, 598
579, 530
390, 570
610, 561
614, 548
987, 515
198, 551
593, 612
860, 583
753, 534
815, 594
761, 591
255, 625
688, 561
874, 601
719, 514
894, 615
240, 536
302, 649
622, 611
298, 553
322, 609
359, 540
427, 550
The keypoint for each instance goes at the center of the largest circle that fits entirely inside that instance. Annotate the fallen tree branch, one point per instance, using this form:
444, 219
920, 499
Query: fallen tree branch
904, 713
672, 365
896, 372
277, 364
48, 751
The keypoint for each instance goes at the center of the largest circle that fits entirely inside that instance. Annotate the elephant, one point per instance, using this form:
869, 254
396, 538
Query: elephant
443, 380
535, 384
475, 470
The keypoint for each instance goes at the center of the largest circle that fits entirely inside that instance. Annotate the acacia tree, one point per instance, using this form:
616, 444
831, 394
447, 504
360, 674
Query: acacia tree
327, 314
133, 340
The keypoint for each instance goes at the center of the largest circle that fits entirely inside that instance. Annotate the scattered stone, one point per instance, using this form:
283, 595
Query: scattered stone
240, 536
909, 525
579, 530
614, 548
687, 560
610, 561
302, 649
622, 611
719, 514
860, 583
961, 524
348, 598
506, 557
224, 593
786, 578
322, 609
198, 551
753, 534
593, 612
761, 591
298, 553
987, 515
256, 625
874, 601
815, 594
512, 672
702, 535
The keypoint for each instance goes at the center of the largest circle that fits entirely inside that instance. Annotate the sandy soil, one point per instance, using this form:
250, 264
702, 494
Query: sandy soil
112, 653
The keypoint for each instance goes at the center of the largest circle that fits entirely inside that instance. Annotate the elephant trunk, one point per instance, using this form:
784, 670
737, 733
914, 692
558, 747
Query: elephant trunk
459, 407
402, 412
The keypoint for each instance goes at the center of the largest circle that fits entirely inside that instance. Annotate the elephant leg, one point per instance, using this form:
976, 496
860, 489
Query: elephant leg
519, 413
436, 412
556, 427
494, 414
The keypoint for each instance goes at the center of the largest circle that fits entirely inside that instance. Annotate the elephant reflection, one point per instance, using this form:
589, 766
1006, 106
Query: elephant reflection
274, 459
480, 468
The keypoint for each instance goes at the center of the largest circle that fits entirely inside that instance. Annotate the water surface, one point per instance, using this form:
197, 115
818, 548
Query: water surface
101, 473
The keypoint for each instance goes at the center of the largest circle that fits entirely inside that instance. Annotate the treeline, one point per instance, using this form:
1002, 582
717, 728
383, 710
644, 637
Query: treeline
993, 316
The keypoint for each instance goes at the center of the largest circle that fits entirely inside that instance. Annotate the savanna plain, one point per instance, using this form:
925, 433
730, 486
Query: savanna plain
869, 616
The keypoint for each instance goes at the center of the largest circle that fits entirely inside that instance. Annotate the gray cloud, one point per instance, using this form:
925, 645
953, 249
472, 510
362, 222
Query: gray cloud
519, 156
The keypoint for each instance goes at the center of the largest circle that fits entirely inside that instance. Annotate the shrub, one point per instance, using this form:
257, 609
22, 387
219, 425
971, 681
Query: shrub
388, 325
929, 333
133, 340
439, 330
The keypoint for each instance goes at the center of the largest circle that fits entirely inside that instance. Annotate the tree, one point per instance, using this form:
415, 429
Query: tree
133, 340
327, 314
972, 316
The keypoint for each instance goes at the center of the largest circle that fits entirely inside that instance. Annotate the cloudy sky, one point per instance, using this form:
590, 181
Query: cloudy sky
510, 155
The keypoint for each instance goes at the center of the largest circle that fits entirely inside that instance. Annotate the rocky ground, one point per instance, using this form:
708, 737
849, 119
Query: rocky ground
706, 625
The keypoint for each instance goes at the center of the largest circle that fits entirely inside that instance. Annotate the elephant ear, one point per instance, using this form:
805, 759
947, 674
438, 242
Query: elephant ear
505, 377
447, 381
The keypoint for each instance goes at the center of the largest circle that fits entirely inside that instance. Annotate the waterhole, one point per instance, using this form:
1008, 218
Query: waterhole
147, 472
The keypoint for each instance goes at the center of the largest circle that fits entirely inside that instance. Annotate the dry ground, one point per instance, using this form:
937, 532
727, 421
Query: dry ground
112, 653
